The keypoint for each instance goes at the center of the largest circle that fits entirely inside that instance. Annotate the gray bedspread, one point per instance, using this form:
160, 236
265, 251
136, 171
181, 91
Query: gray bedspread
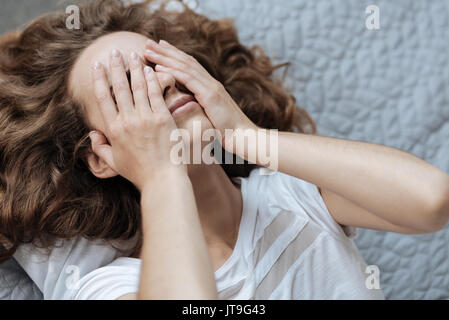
387, 86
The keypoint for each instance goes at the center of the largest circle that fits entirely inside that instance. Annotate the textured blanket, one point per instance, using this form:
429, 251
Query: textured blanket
385, 83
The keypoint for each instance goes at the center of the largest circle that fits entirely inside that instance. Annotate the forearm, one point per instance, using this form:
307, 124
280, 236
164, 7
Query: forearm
175, 259
390, 183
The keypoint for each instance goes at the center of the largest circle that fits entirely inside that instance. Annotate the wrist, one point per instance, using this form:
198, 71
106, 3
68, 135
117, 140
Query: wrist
164, 176
255, 144
240, 140
167, 191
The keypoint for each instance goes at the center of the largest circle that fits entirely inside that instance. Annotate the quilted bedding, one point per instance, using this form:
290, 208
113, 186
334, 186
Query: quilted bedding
387, 86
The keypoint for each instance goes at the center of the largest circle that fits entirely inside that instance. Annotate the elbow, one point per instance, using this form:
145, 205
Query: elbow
439, 209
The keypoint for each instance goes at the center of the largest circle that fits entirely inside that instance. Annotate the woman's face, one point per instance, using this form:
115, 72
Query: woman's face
81, 88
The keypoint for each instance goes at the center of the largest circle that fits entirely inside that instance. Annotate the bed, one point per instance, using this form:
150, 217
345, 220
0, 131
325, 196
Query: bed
387, 85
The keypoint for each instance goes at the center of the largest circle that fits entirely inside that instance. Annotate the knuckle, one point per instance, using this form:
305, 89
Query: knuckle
190, 58
159, 120
153, 91
101, 96
146, 119
139, 85
120, 85
185, 65
130, 123
116, 63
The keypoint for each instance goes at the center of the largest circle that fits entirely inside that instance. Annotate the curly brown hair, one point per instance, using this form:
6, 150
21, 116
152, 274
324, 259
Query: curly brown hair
46, 189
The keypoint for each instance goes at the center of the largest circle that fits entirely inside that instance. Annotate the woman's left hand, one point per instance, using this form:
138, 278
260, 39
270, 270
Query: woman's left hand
220, 108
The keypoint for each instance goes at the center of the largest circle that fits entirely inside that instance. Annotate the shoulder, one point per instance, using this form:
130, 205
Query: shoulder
52, 268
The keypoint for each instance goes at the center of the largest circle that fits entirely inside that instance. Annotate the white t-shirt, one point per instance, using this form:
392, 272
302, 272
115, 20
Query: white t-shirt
288, 247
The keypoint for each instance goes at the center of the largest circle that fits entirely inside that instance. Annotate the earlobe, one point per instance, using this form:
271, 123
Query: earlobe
100, 168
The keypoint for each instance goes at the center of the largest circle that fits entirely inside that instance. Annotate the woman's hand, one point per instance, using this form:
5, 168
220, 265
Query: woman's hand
219, 106
139, 127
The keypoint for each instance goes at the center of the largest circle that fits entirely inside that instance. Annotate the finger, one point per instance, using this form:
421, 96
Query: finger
192, 83
157, 101
157, 51
163, 59
157, 47
139, 84
170, 56
120, 83
174, 50
164, 47
101, 148
174, 64
102, 93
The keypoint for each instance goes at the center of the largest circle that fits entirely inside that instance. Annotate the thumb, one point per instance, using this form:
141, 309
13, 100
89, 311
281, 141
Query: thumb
101, 148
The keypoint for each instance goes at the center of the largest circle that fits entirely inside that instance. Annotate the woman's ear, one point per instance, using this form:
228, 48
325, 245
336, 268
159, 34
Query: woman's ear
97, 165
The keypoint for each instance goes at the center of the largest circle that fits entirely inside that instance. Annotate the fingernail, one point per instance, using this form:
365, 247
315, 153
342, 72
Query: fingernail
150, 52
115, 53
96, 66
147, 70
96, 70
134, 58
152, 42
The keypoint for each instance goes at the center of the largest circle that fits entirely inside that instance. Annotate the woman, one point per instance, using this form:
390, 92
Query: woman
88, 171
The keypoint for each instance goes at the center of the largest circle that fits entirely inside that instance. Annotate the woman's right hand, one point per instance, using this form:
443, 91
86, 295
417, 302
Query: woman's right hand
174, 251
139, 127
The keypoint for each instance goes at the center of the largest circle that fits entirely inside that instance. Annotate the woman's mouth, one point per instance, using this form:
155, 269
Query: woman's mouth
182, 105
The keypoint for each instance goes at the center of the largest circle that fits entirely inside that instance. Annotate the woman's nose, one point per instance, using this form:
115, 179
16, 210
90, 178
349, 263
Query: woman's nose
167, 82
